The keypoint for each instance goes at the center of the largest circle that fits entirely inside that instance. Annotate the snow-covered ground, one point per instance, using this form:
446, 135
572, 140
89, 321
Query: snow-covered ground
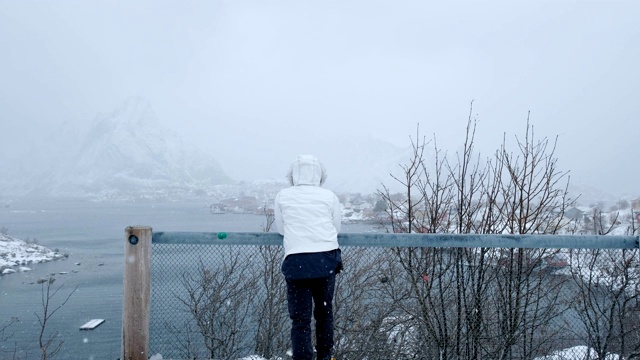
17, 255
576, 353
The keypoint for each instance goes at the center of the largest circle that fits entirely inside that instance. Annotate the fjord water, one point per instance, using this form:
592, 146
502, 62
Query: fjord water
92, 233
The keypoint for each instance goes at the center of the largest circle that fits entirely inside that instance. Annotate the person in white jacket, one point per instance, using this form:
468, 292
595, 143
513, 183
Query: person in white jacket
309, 218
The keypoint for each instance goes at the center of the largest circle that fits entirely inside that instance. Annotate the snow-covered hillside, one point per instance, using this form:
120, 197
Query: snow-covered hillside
363, 164
124, 152
16, 254
590, 196
127, 154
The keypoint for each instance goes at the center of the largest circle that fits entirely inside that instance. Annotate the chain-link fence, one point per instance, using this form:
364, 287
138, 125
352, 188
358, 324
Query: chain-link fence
481, 297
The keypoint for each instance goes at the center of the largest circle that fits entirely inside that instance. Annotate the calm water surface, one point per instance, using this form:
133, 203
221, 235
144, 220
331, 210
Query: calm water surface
92, 234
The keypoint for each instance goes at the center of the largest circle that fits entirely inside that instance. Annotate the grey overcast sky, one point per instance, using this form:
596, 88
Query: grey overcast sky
258, 82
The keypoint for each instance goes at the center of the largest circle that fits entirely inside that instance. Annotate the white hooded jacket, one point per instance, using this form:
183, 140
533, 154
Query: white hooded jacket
307, 215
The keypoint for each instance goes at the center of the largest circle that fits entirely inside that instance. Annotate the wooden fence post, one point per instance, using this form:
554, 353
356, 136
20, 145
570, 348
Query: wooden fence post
137, 291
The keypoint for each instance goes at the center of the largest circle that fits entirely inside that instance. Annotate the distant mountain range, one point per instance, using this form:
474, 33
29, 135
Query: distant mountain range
124, 153
128, 154
362, 165
590, 196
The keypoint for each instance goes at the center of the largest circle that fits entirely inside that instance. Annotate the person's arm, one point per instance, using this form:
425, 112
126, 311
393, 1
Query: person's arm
277, 212
337, 213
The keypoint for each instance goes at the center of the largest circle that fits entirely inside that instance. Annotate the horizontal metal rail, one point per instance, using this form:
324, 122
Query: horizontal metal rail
411, 240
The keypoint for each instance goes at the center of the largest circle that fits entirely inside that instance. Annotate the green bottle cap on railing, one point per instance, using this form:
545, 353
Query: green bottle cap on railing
222, 235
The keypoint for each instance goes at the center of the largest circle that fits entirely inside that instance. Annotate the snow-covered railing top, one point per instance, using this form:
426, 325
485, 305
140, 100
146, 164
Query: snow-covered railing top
411, 240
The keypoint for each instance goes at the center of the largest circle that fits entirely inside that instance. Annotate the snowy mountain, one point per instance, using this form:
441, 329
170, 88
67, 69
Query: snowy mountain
590, 196
365, 164
127, 153
362, 165
124, 153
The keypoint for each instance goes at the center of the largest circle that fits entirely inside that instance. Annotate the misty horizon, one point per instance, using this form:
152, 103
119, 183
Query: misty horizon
255, 84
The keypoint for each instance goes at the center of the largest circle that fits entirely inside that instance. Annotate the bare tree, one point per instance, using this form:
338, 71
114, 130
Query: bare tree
468, 176
269, 217
220, 299
6, 335
534, 202
272, 332
461, 303
633, 229
535, 191
403, 213
362, 306
271, 336
599, 223
606, 300
49, 346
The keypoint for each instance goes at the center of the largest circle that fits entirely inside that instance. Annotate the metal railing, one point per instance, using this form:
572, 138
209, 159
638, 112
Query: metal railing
401, 296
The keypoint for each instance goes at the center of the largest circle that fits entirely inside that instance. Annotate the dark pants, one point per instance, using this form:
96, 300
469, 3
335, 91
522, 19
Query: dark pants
303, 295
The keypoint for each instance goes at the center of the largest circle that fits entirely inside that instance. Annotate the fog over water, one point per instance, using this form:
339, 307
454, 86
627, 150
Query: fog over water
256, 83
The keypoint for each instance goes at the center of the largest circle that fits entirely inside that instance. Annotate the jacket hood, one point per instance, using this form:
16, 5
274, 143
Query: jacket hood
307, 170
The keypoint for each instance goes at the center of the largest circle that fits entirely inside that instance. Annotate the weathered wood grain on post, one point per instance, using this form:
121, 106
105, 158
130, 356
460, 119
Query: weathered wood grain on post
137, 292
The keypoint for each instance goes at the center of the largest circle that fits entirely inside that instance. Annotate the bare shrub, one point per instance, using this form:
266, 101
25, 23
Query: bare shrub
272, 331
220, 299
477, 303
362, 305
606, 300
269, 218
186, 339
